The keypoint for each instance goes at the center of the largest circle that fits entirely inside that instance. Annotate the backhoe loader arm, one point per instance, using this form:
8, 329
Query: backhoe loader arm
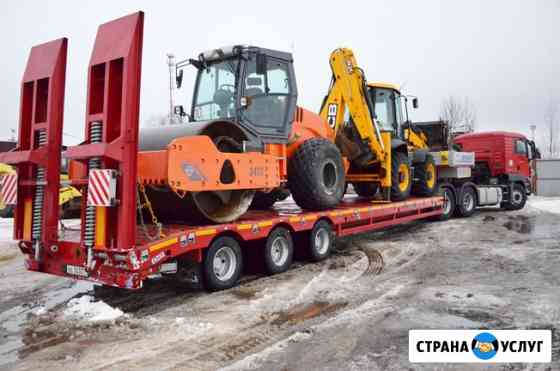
348, 91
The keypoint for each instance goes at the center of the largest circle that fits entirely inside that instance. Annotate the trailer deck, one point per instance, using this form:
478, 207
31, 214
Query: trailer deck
127, 268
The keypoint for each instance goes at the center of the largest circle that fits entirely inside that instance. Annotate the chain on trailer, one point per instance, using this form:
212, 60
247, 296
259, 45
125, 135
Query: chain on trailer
96, 136
148, 205
37, 219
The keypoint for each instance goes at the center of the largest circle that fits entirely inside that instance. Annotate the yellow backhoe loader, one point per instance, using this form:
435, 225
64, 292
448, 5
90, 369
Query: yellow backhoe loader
373, 134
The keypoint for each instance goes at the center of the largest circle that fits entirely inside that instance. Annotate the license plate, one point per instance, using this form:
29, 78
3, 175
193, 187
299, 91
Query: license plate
75, 270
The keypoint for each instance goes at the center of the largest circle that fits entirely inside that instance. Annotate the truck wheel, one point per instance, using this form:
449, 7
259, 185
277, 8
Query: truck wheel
222, 264
279, 251
264, 201
400, 177
366, 190
467, 202
517, 199
426, 178
316, 175
321, 241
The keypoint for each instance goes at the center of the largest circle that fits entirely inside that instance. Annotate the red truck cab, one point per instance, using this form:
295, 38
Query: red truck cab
502, 158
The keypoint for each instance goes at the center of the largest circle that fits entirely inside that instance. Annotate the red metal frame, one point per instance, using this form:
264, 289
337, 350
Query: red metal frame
41, 108
114, 100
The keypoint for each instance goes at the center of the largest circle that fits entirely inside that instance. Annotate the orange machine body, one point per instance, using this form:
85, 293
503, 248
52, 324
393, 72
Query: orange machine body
194, 163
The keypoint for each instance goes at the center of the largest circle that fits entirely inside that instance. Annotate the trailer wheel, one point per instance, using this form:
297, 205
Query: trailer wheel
366, 189
466, 205
517, 199
400, 177
316, 175
321, 241
426, 178
222, 264
449, 204
279, 251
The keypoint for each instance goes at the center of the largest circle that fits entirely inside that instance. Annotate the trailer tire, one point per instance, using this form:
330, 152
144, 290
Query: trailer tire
517, 199
321, 241
223, 263
425, 174
278, 251
366, 189
449, 204
316, 175
401, 183
466, 205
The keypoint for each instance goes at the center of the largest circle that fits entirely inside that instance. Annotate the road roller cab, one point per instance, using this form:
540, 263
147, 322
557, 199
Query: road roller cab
243, 128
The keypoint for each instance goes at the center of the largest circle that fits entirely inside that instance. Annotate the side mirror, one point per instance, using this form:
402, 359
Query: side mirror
179, 79
261, 64
415, 103
179, 110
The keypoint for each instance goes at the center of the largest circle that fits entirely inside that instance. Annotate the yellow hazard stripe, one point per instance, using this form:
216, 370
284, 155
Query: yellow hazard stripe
205, 232
242, 227
163, 244
265, 224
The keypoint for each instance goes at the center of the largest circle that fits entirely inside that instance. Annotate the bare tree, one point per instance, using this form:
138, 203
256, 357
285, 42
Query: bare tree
551, 130
459, 113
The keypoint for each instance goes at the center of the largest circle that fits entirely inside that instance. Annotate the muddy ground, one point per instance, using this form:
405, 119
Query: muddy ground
496, 270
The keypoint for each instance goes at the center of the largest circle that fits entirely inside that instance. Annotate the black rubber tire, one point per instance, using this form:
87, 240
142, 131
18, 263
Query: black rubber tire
449, 197
316, 175
366, 190
512, 204
399, 158
7, 212
270, 266
423, 176
264, 201
316, 252
211, 281
466, 205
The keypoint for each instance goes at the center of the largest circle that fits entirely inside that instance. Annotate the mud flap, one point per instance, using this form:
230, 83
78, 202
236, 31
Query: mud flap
188, 275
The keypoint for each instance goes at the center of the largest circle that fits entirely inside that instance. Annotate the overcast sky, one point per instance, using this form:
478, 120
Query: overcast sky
503, 55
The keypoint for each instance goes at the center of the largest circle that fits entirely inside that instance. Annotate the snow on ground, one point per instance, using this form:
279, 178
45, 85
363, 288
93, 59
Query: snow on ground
549, 204
85, 308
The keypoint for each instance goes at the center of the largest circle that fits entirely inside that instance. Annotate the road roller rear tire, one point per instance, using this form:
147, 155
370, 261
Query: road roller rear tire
316, 175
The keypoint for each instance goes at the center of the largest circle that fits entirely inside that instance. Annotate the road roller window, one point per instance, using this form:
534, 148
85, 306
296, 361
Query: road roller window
267, 94
215, 91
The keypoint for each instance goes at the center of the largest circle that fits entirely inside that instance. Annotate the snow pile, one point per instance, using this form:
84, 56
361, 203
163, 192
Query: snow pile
85, 308
549, 204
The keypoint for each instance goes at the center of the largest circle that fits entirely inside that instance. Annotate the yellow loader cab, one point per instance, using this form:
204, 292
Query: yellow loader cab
69, 198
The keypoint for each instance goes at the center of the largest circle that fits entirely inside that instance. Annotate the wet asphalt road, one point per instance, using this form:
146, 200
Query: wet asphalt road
497, 270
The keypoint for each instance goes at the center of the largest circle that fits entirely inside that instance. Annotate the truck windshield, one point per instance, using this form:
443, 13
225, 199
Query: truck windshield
215, 91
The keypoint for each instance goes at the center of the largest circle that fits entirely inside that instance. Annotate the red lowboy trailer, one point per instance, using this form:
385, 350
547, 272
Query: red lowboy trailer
114, 246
